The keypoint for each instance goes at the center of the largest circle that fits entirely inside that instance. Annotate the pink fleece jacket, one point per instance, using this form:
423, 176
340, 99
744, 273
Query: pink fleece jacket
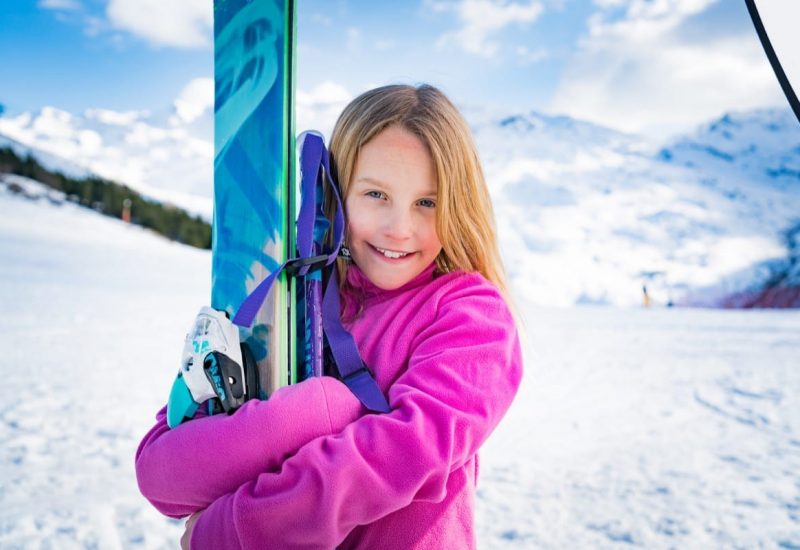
308, 469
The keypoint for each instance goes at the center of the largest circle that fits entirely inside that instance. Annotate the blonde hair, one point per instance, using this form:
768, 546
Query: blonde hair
464, 214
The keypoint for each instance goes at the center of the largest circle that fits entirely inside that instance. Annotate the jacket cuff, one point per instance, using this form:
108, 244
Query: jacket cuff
215, 527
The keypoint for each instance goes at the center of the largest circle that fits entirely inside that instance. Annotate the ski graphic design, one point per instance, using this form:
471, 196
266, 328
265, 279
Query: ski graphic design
254, 155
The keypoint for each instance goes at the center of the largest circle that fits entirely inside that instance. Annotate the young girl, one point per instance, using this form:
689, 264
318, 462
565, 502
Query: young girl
425, 299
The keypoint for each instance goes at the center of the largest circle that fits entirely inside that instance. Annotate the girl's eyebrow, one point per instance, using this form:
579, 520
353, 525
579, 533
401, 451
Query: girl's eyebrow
372, 181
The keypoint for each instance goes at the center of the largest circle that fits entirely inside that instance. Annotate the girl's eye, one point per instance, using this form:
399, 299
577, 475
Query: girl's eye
375, 194
427, 203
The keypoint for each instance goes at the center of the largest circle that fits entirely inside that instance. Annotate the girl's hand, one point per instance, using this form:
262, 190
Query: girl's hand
186, 539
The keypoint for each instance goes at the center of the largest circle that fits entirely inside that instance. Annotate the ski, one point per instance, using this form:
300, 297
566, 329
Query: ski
254, 183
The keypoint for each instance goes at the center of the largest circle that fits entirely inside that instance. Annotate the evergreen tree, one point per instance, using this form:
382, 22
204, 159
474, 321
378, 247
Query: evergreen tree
109, 198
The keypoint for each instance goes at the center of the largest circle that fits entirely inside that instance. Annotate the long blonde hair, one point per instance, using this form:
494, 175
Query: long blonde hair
464, 214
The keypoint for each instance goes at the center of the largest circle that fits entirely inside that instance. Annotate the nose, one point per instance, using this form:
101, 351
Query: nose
398, 224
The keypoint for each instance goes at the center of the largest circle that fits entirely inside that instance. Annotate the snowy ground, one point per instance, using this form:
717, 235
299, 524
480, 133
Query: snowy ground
653, 428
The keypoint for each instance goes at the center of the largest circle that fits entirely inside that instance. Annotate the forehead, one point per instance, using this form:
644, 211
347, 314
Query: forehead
396, 157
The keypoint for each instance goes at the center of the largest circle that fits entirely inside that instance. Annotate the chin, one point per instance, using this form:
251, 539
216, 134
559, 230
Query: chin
391, 281
386, 283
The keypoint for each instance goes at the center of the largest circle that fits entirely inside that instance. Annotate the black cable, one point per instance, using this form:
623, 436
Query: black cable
773, 58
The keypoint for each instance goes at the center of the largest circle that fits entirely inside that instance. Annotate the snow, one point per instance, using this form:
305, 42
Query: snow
87, 360
661, 428
658, 428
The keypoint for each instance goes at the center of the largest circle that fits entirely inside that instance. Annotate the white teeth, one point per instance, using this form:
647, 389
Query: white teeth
391, 253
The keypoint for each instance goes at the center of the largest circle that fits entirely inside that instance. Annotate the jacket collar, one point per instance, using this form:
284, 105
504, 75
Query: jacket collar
361, 284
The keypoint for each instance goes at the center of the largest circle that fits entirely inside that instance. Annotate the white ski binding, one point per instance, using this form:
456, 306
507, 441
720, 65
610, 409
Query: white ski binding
214, 365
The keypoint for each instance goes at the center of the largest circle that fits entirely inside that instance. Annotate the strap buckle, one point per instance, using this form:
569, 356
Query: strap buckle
294, 266
363, 385
364, 370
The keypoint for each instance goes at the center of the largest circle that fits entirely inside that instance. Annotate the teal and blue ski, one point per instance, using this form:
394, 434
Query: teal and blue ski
254, 202
256, 262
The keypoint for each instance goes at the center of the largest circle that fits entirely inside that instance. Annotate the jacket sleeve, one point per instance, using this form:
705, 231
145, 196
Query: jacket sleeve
462, 376
183, 470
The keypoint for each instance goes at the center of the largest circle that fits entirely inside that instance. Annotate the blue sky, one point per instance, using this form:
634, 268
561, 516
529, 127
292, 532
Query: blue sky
75, 59
644, 66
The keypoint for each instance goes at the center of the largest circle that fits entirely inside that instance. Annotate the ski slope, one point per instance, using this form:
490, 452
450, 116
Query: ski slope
662, 428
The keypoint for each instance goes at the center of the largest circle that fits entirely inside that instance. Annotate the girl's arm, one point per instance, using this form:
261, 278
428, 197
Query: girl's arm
184, 470
462, 376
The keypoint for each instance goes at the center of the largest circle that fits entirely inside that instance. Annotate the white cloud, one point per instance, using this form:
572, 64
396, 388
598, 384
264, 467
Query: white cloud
324, 94
638, 74
66, 5
115, 118
93, 26
319, 108
177, 23
54, 122
481, 20
353, 39
89, 141
195, 98
527, 56
609, 3
321, 19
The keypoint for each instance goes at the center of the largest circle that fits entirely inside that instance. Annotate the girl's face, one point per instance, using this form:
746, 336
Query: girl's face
391, 209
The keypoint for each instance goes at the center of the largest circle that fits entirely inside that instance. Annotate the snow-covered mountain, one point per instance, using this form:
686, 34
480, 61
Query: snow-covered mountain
586, 214
754, 157
762, 145
167, 156
590, 215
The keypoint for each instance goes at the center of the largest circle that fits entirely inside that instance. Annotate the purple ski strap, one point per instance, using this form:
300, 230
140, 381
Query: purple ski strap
352, 370
313, 158
311, 150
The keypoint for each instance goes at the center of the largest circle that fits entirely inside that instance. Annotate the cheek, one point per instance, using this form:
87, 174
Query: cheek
355, 223
431, 236
352, 217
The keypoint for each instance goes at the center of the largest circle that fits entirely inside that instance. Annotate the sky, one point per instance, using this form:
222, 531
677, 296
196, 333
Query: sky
652, 67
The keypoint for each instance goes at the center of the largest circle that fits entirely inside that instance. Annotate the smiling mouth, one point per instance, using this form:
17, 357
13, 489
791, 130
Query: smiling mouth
392, 254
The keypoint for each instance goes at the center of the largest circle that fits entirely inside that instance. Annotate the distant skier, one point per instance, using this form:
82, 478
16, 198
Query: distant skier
126, 210
425, 298
645, 296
